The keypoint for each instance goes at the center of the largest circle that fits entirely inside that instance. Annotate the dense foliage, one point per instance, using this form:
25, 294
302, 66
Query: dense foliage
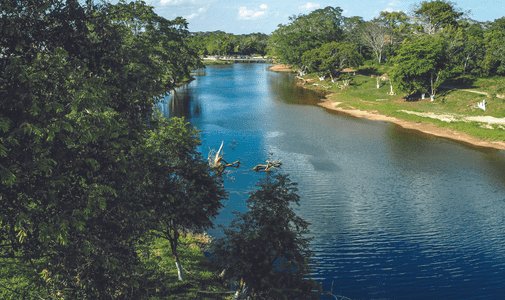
222, 44
423, 49
87, 168
422, 65
266, 247
304, 33
331, 58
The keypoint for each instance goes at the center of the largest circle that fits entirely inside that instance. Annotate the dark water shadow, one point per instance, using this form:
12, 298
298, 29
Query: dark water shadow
284, 87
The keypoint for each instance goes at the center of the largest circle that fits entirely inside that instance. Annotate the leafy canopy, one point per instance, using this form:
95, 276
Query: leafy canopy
421, 65
306, 32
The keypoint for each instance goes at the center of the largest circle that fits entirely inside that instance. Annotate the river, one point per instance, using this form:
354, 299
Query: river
395, 214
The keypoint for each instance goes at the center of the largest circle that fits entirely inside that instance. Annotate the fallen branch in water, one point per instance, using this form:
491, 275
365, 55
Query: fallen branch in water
269, 166
217, 162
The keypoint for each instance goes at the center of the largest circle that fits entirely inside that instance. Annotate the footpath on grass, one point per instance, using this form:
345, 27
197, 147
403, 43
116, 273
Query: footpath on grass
453, 115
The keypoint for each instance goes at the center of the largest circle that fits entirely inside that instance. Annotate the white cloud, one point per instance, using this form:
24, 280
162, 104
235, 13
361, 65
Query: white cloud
175, 2
393, 5
250, 14
310, 6
199, 12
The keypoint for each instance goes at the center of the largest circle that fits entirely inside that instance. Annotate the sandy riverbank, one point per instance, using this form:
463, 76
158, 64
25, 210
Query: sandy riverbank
427, 128
280, 68
422, 127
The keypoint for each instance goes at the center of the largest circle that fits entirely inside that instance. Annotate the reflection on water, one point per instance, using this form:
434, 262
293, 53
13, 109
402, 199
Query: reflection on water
393, 213
181, 103
285, 89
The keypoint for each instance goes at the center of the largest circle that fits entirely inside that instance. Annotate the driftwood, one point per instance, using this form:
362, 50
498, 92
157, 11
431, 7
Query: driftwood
269, 166
218, 163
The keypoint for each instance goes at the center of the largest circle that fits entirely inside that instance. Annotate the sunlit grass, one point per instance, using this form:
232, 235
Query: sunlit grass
457, 100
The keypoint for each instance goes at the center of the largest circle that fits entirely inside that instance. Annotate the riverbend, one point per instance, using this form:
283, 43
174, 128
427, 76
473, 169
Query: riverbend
395, 214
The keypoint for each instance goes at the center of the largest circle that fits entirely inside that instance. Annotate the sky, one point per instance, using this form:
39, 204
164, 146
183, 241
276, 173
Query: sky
247, 16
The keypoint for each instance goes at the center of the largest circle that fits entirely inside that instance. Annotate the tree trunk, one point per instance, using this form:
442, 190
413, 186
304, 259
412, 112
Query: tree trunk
241, 293
174, 241
391, 91
180, 271
432, 94
332, 79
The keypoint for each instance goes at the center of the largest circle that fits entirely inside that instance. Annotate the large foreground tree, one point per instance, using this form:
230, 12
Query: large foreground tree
78, 86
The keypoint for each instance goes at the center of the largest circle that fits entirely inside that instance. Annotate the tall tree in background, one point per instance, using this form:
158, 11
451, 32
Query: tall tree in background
375, 35
465, 46
399, 28
350, 27
494, 60
306, 32
435, 15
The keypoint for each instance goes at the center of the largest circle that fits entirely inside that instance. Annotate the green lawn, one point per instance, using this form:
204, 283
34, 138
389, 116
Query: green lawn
200, 281
455, 99
160, 278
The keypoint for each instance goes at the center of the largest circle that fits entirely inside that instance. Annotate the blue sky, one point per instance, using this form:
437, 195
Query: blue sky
242, 16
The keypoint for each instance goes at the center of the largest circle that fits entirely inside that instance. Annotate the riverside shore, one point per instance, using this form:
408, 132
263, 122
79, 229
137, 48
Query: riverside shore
423, 127
280, 68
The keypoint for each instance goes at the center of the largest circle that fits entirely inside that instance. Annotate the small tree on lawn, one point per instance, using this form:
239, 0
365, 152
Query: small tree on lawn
331, 58
421, 66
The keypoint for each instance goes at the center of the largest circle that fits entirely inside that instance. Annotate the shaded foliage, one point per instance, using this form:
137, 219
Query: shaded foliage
77, 129
331, 58
421, 65
266, 248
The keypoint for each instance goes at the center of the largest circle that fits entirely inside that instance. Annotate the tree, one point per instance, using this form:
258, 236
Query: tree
494, 60
375, 35
305, 32
184, 194
436, 15
331, 58
465, 49
219, 43
78, 87
266, 247
350, 26
421, 65
397, 23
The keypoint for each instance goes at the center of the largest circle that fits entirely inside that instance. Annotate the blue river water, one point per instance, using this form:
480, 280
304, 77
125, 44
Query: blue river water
395, 214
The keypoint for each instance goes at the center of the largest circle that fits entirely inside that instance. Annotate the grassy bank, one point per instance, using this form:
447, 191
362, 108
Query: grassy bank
455, 102
201, 281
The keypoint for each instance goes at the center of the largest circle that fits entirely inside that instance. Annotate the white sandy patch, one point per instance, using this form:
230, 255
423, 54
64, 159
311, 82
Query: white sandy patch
486, 119
443, 118
458, 118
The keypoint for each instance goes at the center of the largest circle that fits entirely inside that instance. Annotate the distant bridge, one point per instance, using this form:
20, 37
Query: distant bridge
239, 59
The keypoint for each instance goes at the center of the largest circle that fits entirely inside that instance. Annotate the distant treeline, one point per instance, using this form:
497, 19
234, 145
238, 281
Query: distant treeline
435, 42
222, 43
